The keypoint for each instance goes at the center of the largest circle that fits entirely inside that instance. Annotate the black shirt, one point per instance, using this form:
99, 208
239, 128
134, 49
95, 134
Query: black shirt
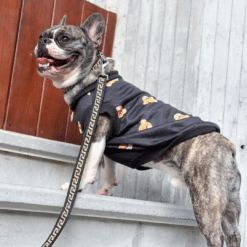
142, 128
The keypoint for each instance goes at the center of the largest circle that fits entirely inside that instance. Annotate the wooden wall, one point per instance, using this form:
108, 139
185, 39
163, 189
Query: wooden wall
28, 103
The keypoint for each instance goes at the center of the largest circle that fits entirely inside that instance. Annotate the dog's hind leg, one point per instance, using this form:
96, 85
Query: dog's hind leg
214, 182
208, 211
209, 215
231, 215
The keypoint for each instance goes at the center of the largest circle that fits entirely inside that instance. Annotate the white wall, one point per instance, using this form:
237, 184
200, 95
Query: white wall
193, 55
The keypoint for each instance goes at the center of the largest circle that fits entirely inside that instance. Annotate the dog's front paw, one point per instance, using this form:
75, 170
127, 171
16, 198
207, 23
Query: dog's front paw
106, 190
65, 187
85, 182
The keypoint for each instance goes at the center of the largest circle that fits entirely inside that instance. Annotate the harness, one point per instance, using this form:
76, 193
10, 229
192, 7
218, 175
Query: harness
83, 153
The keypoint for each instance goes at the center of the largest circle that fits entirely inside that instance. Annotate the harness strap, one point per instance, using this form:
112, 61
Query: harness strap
80, 163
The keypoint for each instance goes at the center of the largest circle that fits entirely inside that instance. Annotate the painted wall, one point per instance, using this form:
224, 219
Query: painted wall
193, 55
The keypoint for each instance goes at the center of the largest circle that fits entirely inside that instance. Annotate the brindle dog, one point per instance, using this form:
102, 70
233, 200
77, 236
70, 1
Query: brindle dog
205, 163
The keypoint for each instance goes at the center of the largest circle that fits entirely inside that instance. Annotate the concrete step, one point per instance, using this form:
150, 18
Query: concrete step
32, 171
39, 200
28, 214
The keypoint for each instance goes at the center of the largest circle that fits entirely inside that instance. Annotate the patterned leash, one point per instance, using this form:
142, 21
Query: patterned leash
82, 156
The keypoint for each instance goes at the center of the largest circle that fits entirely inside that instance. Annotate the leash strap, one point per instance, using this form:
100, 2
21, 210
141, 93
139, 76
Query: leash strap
80, 163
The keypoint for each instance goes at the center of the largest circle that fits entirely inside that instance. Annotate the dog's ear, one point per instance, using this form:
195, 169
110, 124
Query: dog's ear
94, 26
62, 22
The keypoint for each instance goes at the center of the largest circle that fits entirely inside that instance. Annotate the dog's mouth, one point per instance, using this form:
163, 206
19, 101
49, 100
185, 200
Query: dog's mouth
46, 62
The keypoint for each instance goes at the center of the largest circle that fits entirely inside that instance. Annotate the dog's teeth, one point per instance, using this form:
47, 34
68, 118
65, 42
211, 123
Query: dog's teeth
44, 65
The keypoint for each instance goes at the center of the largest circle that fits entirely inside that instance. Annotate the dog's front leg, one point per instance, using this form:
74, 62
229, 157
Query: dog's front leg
94, 157
95, 154
110, 178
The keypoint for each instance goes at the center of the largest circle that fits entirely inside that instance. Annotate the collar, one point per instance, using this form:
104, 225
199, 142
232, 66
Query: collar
67, 89
97, 65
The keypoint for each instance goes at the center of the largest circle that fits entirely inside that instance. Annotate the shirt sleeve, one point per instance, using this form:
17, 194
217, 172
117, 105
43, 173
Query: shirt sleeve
83, 117
110, 111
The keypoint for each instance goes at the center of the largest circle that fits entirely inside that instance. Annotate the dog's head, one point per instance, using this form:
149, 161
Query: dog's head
65, 52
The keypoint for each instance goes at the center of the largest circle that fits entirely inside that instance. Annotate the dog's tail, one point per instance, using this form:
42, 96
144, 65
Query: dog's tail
230, 218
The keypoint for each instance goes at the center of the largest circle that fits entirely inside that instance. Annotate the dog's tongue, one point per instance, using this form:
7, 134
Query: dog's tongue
43, 60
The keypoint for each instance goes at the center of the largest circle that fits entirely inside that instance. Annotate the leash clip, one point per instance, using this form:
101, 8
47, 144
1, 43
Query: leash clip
105, 62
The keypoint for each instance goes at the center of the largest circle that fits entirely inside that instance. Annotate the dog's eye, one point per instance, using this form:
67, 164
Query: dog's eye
65, 39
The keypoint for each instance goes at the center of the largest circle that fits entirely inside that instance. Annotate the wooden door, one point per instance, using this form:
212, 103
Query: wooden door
30, 104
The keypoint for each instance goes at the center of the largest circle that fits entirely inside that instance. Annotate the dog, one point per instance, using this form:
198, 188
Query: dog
130, 132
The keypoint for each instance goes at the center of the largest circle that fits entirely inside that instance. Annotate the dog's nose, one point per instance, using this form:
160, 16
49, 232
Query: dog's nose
45, 41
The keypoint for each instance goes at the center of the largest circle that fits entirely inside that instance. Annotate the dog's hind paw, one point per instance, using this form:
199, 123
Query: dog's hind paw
106, 190
65, 187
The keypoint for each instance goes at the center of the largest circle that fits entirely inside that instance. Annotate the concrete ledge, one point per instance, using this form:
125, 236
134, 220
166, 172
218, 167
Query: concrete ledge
38, 147
30, 199
15, 195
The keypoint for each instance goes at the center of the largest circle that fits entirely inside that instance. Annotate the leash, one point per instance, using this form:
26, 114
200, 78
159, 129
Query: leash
82, 156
